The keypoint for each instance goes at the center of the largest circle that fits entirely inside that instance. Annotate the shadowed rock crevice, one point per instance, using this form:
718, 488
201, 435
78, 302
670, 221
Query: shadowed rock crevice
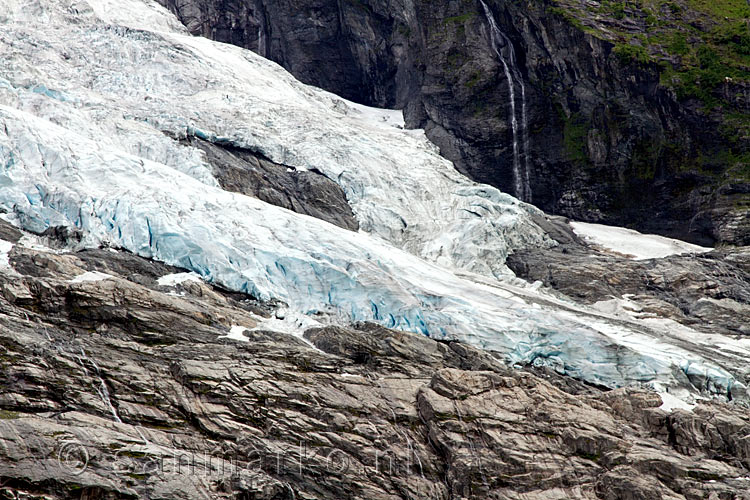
306, 192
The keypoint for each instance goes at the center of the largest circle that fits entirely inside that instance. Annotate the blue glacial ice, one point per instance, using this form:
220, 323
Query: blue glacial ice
429, 257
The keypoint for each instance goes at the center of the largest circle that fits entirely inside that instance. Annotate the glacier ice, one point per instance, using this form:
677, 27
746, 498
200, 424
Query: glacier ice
132, 85
92, 95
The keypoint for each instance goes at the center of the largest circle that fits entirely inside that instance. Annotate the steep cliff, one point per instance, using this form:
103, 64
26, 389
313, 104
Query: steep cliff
634, 113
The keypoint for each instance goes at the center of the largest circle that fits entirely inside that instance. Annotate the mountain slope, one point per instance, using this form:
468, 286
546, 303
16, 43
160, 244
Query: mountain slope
88, 142
202, 259
636, 112
117, 385
113, 388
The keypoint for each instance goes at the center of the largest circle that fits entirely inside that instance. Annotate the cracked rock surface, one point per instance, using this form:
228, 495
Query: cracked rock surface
117, 387
710, 292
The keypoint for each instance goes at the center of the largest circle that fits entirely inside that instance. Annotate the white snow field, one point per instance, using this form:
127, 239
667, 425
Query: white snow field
91, 94
632, 243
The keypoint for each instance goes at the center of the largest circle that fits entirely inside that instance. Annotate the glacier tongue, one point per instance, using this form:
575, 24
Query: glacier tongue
127, 86
86, 94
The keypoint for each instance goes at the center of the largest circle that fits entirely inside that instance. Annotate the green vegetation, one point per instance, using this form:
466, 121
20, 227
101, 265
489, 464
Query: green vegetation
703, 475
594, 457
133, 454
631, 54
678, 44
137, 477
701, 49
460, 19
473, 79
570, 18
575, 135
614, 8
8, 415
700, 44
736, 127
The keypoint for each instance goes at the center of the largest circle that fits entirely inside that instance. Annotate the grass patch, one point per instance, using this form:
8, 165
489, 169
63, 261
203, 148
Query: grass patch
459, 19
701, 44
9, 415
628, 54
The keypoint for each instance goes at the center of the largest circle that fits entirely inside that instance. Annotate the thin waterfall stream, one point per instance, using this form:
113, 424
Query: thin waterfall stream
513, 75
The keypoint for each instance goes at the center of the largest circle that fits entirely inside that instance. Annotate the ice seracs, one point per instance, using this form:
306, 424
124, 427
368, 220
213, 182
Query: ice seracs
97, 148
156, 79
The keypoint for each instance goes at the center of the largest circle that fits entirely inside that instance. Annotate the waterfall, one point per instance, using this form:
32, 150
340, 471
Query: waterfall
261, 40
510, 68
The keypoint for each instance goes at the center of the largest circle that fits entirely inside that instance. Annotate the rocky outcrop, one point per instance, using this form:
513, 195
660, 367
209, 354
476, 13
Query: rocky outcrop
305, 192
710, 292
359, 50
114, 386
597, 132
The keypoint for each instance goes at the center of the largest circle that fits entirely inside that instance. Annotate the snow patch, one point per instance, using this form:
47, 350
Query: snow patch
5, 248
670, 402
632, 243
624, 307
375, 117
38, 243
288, 321
90, 276
146, 14
177, 279
236, 333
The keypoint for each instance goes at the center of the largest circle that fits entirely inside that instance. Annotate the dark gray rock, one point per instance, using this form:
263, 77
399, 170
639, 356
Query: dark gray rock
356, 49
709, 292
306, 192
8, 232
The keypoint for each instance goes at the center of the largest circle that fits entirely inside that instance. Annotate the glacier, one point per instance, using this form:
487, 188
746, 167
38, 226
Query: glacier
92, 97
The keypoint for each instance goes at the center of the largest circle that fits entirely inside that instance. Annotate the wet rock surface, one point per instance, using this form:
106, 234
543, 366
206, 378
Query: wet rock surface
118, 387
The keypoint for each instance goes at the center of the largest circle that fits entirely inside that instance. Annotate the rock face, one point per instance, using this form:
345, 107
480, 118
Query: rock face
114, 386
710, 292
306, 192
595, 135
